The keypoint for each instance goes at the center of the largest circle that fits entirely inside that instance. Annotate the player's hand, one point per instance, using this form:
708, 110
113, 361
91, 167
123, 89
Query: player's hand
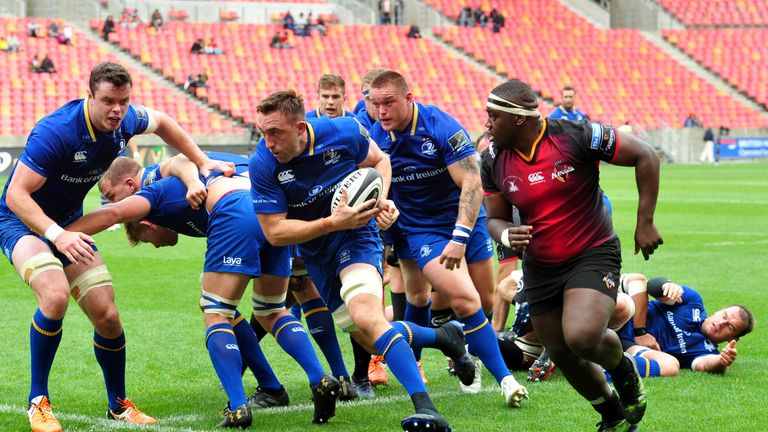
647, 340
647, 239
452, 255
671, 293
388, 216
345, 217
196, 194
208, 165
728, 354
519, 237
76, 246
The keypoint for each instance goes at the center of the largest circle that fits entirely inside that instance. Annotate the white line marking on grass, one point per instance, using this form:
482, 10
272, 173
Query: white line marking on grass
716, 234
736, 243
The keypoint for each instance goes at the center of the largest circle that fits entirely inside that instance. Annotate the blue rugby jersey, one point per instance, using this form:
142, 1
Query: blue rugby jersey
422, 188
66, 149
573, 115
365, 119
677, 328
315, 113
304, 186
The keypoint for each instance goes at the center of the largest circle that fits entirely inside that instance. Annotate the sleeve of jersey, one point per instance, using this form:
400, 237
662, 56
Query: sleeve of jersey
691, 296
43, 152
266, 194
486, 174
452, 139
139, 120
556, 114
353, 131
153, 194
599, 140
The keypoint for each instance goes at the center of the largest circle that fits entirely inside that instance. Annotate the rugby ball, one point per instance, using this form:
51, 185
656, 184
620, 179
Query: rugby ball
361, 186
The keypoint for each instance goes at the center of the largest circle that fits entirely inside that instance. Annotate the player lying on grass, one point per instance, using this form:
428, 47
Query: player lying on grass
237, 252
673, 330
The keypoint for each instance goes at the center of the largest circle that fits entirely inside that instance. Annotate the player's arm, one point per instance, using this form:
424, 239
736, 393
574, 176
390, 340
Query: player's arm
633, 151
181, 167
499, 211
636, 286
716, 363
74, 245
175, 136
379, 160
281, 231
129, 209
133, 147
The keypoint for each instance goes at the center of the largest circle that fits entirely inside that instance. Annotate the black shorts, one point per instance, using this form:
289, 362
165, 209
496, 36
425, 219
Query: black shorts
597, 268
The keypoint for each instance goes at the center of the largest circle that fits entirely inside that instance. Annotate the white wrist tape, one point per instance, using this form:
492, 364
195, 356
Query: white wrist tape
505, 238
53, 232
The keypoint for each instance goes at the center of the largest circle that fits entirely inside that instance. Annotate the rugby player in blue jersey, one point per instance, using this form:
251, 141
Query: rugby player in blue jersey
673, 330
441, 230
237, 252
331, 95
294, 173
65, 155
566, 109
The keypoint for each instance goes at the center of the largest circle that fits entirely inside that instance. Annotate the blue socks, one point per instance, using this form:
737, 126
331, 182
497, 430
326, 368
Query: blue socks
400, 360
416, 336
293, 339
225, 356
252, 354
482, 343
44, 339
110, 354
420, 317
321, 327
647, 367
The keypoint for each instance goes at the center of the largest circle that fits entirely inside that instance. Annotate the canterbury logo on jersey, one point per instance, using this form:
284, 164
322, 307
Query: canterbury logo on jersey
536, 177
286, 176
81, 156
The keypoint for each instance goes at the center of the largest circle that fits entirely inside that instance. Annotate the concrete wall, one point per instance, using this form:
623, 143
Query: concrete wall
685, 145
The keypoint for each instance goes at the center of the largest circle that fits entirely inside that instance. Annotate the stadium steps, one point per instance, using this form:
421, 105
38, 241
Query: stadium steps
590, 11
699, 69
125, 57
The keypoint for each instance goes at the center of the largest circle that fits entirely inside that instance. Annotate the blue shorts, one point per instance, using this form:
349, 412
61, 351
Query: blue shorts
360, 246
12, 229
425, 246
236, 243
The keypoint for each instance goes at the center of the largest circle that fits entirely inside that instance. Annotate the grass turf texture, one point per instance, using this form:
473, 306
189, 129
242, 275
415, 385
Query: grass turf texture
714, 221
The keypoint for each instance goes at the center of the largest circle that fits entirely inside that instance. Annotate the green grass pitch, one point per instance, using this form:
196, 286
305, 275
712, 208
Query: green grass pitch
714, 221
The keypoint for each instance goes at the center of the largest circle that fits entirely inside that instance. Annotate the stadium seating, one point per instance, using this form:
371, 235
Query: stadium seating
26, 96
718, 12
249, 70
740, 56
619, 76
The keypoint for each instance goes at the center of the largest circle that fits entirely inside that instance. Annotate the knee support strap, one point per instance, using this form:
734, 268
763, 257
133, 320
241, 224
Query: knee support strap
343, 320
360, 281
93, 278
264, 305
37, 264
531, 349
213, 304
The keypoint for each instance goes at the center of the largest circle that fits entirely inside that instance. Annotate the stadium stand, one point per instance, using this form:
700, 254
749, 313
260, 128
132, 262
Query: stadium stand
718, 12
249, 70
618, 74
25, 96
739, 56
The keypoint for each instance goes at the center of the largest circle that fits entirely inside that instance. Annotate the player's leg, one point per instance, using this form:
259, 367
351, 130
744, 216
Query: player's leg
43, 272
417, 294
362, 295
505, 291
91, 287
652, 363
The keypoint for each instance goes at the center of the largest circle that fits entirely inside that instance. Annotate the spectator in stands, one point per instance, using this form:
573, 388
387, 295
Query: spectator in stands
280, 41
320, 26
497, 20
385, 11
32, 28
109, 27
198, 47
194, 82
157, 21
34, 64
12, 43
566, 109
288, 22
301, 25
692, 121
480, 18
65, 37
53, 29
46, 65
414, 32
212, 47
398, 11
708, 152
465, 17
129, 18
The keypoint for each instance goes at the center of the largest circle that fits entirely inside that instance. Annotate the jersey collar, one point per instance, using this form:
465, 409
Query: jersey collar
88, 123
529, 158
310, 139
414, 121
343, 112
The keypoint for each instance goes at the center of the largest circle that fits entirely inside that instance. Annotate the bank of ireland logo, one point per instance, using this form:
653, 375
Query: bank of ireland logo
511, 184
331, 157
425, 251
315, 190
286, 176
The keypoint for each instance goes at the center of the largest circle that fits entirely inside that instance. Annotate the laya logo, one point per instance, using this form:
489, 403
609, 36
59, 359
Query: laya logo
535, 178
425, 251
561, 170
511, 184
232, 261
428, 147
81, 156
331, 157
315, 190
286, 176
